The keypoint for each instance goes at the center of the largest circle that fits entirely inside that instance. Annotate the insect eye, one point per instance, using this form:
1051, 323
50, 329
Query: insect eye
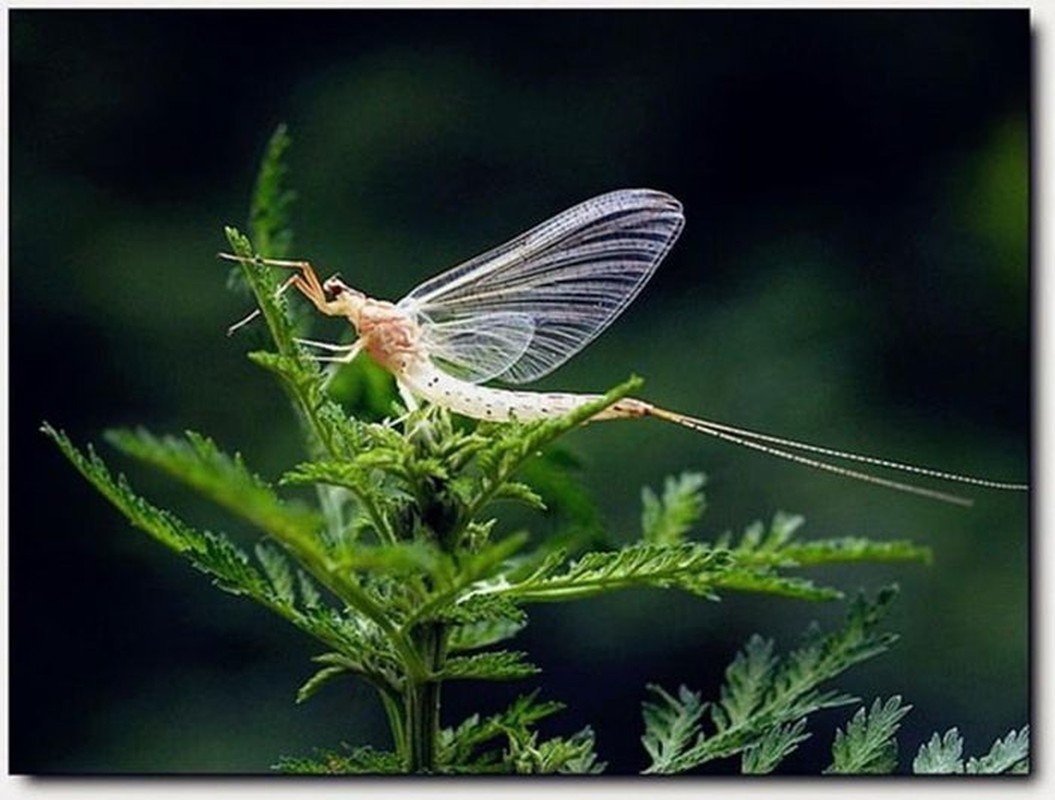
333, 286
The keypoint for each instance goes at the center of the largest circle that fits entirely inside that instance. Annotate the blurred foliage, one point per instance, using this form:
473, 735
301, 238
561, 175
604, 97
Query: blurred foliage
854, 271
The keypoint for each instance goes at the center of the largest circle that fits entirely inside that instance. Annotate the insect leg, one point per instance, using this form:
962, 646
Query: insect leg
256, 311
335, 348
408, 398
306, 282
349, 352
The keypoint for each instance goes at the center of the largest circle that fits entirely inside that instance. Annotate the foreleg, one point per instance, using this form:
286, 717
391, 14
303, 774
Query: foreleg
306, 281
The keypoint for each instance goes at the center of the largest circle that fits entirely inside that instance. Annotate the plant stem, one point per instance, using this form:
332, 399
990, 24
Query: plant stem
423, 700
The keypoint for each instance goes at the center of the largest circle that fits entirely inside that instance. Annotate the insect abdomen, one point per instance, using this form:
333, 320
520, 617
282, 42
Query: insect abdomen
481, 402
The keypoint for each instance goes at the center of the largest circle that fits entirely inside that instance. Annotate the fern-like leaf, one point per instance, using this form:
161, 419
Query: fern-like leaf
942, 755
161, 525
761, 694
868, 744
318, 680
501, 665
849, 549
353, 761
198, 462
747, 680
483, 620
776, 744
270, 206
278, 572
1010, 754
672, 727
666, 520
573, 755
689, 566
763, 555
473, 746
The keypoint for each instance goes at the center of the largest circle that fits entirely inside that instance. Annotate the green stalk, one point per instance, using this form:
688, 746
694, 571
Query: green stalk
423, 701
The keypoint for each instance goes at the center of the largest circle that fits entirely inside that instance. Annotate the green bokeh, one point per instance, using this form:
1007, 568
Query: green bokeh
854, 271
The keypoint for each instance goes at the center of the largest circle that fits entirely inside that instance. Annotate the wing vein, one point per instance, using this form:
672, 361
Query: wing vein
522, 309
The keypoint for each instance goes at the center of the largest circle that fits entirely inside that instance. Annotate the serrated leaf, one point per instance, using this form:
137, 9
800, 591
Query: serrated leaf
481, 621
360, 646
161, 525
850, 549
263, 283
520, 493
747, 680
278, 572
672, 726
763, 556
210, 553
689, 566
502, 665
272, 237
666, 520
308, 592
471, 746
354, 761
776, 744
459, 586
527, 755
232, 570
868, 746
1010, 754
318, 680
768, 581
199, 463
761, 694
269, 210
942, 755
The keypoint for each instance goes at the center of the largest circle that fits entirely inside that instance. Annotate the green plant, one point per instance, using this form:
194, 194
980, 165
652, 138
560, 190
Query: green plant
766, 701
401, 571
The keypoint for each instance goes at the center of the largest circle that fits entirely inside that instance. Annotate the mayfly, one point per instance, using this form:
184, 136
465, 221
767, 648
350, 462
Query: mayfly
519, 311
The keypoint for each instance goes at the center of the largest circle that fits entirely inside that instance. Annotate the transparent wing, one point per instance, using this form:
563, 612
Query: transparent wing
480, 347
571, 276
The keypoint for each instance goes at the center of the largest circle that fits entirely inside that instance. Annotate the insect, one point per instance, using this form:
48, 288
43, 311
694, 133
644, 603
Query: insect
519, 311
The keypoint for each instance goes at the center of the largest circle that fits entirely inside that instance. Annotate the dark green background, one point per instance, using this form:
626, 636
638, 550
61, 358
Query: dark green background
854, 271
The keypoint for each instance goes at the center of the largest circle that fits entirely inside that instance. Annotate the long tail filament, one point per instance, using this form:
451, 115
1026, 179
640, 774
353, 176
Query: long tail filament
764, 443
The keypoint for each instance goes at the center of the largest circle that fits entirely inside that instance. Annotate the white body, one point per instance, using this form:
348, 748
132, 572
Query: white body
424, 380
393, 339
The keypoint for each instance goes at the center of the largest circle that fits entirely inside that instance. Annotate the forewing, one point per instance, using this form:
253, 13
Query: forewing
571, 276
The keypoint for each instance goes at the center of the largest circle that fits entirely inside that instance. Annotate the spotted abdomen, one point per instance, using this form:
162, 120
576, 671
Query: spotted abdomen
502, 405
